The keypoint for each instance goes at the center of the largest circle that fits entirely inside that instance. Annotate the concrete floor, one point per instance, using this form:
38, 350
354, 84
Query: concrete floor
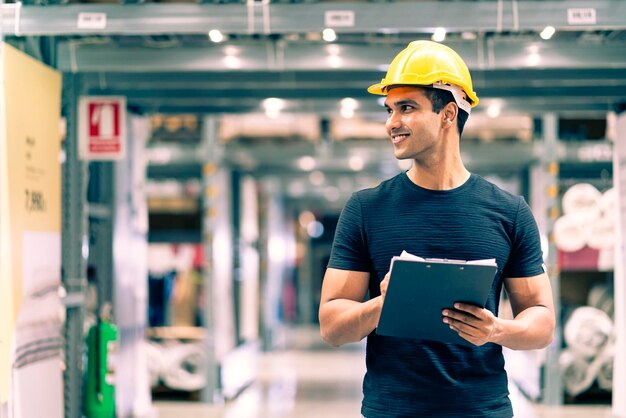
308, 381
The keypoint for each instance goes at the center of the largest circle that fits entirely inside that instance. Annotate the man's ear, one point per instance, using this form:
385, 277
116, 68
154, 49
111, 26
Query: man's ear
450, 112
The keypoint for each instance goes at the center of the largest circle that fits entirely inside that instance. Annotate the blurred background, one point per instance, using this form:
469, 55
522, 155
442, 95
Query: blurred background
207, 149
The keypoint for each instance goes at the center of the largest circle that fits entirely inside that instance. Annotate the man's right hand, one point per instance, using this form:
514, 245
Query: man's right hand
383, 286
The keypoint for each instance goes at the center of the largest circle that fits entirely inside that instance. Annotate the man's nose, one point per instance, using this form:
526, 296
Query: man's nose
393, 121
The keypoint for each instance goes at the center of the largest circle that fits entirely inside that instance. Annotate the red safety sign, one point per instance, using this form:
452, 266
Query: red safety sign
102, 127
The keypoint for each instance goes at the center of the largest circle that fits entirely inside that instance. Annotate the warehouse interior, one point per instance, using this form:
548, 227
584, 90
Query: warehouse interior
190, 258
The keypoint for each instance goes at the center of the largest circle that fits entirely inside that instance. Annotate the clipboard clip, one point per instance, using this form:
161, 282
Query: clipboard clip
445, 260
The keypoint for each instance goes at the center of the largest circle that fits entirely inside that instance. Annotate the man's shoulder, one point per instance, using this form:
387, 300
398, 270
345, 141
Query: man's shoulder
381, 191
495, 193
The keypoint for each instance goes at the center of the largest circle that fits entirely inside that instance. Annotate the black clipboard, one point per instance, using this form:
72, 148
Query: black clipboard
419, 290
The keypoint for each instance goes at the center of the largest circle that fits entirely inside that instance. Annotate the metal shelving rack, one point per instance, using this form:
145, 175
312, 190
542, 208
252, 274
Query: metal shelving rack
73, 248
212, 153
552, 389
619, 174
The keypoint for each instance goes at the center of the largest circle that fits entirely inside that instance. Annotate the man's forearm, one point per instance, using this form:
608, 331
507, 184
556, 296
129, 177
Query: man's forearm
531, 329
344, 321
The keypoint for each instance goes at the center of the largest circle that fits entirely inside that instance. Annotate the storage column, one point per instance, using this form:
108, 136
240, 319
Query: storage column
212, 153
552, 385
619, 180
74, 248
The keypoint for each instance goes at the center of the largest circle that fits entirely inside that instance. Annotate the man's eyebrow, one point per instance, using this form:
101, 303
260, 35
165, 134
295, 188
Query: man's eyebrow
403, 103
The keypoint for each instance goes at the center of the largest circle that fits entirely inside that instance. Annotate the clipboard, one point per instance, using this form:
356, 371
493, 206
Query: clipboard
420, 288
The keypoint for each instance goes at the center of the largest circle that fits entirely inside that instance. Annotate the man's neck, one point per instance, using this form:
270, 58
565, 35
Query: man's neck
439, 177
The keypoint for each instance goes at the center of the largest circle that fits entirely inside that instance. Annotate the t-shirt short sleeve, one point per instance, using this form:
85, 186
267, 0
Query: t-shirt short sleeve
349, 250
526, 258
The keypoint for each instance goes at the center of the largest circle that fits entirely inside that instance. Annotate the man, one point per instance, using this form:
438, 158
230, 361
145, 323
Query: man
436, 209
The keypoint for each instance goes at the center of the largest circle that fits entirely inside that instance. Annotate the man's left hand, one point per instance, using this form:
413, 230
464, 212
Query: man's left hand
472, 323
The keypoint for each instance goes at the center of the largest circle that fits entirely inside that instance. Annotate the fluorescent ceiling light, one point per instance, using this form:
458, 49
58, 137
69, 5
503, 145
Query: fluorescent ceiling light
274, 103
307, 163
439, 35
547, 32
356, 163
317, 178
347, 112
349, 103
494, 110
216, 36
329, 35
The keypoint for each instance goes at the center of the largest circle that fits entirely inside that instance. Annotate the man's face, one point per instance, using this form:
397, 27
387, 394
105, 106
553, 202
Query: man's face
412, 125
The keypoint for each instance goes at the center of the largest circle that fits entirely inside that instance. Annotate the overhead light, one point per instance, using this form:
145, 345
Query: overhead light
381, 101
356, 163
348, 105
273, 103
468, 36
494, 110
232, 62
317, 178
307, 163
329, 35
216, 36
439, 35
346, 113
547, 32
273, 107
349, 102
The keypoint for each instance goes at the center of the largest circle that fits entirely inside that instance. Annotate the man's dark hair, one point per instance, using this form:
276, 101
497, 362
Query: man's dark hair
439, 98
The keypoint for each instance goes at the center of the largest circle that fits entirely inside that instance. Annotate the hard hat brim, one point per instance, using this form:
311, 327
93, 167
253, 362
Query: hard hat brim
378, 88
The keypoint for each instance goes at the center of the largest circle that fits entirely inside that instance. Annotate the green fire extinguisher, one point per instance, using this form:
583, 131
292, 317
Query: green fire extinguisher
99, 389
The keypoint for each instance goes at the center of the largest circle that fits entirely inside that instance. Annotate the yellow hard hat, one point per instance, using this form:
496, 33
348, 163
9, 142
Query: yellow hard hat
427, 63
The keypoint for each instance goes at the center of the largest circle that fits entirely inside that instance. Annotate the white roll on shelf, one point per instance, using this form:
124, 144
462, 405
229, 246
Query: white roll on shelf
587, 331
581, 202
574, 372
569, 234
154, 353
605, 374
602, 233
184, 367
608, 204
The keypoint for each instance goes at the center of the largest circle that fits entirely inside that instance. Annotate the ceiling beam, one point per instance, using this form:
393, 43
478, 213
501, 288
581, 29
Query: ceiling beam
500, 52
526, 90
264, 18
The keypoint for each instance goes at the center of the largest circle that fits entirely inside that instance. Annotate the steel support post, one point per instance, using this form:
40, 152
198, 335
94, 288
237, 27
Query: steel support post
552, 387
211, 151
74, 248
619, 181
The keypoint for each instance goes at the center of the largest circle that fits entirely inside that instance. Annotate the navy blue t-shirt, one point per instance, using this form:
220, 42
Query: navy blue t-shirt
419, 378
